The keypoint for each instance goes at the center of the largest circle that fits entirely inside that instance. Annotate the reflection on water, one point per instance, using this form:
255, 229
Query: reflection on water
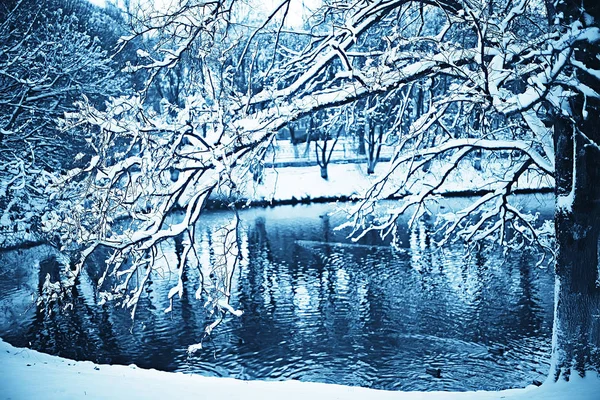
317, 307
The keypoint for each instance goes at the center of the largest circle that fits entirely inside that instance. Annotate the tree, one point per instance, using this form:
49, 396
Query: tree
46, 63
326, 127
514, 81
577, 145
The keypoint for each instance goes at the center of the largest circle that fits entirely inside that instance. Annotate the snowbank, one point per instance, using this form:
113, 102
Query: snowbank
349, 180
28, 374
280, 184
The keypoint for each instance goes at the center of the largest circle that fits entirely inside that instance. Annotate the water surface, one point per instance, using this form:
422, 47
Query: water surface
317, 307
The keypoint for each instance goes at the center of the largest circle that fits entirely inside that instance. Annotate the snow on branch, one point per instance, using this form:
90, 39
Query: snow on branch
462, 83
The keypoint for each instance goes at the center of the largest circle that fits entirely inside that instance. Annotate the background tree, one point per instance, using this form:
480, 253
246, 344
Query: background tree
326, 128
47, 62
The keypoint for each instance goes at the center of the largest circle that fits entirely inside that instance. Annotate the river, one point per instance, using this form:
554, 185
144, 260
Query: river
317, 307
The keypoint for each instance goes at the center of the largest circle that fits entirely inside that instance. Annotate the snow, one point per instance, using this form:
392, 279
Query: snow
565, 202
28, 374
99, 3
306, 183
351, 180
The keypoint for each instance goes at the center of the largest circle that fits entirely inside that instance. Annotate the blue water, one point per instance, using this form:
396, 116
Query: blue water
317, 307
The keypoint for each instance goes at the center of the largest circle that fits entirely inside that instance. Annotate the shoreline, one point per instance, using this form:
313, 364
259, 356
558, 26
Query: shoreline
29, 374
217, 204
303, 185
294, 185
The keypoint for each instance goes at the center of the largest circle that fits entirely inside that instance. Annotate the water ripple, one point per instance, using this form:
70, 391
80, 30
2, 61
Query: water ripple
317, 307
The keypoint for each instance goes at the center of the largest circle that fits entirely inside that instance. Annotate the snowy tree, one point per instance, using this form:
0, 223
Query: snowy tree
513, 81
46, 63
326, 129
577, 218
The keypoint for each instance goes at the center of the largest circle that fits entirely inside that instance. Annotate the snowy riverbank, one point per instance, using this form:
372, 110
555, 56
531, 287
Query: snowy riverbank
304, 184
28, 374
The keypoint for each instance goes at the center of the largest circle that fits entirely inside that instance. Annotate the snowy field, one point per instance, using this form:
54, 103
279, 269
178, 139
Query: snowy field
28, 374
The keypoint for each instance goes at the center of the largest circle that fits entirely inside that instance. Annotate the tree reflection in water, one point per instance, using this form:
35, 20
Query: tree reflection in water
317, 307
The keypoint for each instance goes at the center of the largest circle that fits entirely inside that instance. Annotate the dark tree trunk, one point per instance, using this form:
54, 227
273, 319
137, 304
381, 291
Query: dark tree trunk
576, 338
294, 141
324, 174
322, 160
309, 132
374, 141
370, 141
362, 148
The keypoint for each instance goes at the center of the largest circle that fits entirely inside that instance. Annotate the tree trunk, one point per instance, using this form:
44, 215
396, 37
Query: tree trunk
576, 336
362, 148
294, 141
370, 146
370, 168
324, 174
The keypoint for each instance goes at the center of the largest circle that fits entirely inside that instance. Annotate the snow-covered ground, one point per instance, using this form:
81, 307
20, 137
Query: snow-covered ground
348, 180
28, 374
